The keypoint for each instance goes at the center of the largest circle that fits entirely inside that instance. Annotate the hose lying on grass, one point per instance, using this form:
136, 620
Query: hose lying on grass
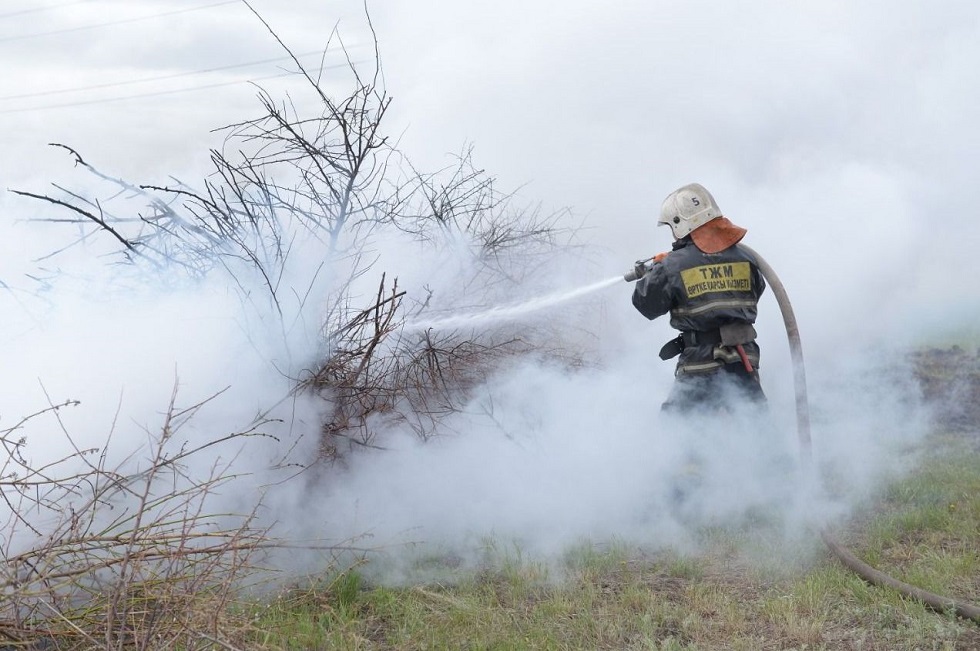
848, 559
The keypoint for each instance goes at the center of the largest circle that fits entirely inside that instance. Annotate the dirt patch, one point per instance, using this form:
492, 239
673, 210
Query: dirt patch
950, 381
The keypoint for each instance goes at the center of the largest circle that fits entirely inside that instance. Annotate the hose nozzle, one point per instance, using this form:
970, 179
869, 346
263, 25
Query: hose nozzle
640, 268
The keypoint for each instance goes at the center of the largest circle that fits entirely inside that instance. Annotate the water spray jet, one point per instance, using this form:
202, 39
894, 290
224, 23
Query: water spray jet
510, 312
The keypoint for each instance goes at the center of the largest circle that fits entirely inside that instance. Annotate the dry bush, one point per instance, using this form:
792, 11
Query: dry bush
284, 179
112, 558
126, 557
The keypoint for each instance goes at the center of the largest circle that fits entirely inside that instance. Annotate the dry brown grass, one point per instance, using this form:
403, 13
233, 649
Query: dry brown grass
125, 557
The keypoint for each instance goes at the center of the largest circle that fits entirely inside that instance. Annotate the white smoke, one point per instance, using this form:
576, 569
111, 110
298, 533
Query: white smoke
542, 456
842, 137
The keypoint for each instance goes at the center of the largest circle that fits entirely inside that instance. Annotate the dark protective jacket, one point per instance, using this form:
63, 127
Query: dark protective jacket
703, 292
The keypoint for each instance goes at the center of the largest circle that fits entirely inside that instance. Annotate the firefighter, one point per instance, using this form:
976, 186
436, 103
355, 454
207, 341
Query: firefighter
711, 288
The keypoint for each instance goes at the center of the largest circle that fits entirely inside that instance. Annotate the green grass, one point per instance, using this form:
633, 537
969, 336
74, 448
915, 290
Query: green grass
736, 593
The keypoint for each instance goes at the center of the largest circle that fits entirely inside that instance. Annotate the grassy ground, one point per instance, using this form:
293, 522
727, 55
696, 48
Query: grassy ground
749, 585
738, 593
743, 589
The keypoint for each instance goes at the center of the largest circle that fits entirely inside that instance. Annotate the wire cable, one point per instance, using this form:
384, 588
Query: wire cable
22, 37
144, 80
21, 12
106, 100
172, 91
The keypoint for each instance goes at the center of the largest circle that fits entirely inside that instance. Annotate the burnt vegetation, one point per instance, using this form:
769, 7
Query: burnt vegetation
950, 381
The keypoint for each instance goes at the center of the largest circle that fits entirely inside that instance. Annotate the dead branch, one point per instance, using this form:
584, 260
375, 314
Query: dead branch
130, 246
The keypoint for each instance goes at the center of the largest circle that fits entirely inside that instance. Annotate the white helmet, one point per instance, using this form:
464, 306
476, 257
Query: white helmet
687, 208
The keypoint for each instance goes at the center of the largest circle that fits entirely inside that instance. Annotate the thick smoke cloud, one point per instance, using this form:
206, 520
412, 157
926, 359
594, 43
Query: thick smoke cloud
842, 136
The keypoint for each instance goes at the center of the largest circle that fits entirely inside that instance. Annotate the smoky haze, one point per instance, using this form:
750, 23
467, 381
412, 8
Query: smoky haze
843, 137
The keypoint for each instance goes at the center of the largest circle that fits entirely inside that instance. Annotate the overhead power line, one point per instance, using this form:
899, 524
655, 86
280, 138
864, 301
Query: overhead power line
144, 80
21, 12
172, 91
158, 93
79, 28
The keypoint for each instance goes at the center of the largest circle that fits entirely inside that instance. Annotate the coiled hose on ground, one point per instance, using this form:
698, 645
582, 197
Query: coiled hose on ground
848, 559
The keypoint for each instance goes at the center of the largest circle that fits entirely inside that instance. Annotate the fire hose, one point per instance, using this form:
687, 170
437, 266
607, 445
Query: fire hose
847, 558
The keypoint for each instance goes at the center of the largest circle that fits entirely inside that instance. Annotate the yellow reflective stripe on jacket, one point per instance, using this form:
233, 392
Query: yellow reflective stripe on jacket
719, 277
730, 355
720, 304
699, 367
722, 355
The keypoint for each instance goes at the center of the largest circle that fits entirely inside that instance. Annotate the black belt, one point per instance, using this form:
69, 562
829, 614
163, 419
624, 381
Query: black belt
689, 338
701, 337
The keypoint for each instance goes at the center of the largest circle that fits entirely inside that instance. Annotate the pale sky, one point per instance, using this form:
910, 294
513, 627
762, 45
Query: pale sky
843, 135
831, 130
